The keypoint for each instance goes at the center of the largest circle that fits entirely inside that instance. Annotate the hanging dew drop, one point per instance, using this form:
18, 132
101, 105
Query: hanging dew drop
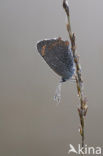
57, 96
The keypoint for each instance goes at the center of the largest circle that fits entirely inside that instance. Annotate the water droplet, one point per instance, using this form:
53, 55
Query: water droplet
57, 96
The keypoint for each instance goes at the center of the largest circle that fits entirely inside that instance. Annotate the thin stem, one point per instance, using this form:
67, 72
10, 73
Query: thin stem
79, 82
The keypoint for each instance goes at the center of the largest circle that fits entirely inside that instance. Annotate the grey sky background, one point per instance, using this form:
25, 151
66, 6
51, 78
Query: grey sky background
30, 122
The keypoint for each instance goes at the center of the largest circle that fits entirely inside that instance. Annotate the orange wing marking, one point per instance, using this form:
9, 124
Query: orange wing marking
43, 50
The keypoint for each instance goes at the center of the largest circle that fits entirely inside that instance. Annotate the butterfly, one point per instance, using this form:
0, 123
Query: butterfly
58, 56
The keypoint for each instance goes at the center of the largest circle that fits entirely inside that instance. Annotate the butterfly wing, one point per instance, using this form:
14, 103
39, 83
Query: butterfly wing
58, 56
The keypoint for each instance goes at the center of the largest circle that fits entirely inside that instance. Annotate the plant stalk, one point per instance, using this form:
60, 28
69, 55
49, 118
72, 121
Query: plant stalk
82, 109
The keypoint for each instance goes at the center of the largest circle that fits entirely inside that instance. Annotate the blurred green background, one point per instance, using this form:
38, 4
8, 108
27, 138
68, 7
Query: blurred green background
31, 124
